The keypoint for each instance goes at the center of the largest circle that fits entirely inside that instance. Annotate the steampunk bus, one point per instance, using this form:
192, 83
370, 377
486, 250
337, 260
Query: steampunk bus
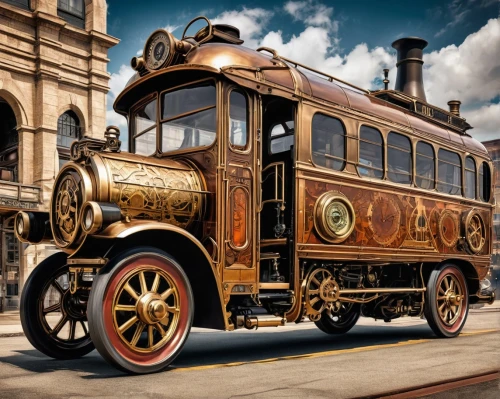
257, 192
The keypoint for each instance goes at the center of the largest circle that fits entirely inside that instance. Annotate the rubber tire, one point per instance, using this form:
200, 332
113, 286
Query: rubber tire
431, 308
29, 308
96, 312
327, 325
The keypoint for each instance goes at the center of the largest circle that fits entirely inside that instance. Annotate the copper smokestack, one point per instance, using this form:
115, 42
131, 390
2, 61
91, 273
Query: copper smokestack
454, 107
409, 77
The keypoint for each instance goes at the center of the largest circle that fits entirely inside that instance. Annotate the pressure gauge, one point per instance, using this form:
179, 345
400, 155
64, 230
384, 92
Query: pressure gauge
159, 50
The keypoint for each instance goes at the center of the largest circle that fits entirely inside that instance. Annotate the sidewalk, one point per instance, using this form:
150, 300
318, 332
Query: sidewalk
10, 324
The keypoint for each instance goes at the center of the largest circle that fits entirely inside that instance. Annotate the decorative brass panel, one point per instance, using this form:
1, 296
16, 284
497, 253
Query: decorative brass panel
155, 193
448, 228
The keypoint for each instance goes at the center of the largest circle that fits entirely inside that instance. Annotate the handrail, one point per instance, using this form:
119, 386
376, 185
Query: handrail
331, 78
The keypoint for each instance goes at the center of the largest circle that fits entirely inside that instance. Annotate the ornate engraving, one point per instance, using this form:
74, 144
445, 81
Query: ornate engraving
384, 219
155, 193
448, 228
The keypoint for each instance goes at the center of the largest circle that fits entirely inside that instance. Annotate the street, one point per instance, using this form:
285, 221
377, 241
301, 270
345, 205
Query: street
289, 362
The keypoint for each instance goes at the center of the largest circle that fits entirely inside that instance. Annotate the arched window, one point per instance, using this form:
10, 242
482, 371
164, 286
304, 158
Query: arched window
470, 178
399, 158
371, 153
68, 130
8, 143
425, 173
328, 142
72, 11
484, 182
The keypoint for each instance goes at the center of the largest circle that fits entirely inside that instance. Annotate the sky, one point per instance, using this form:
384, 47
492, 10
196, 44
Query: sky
348, 39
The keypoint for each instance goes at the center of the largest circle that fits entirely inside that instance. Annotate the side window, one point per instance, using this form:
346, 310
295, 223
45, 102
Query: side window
282, 137
328, 142
425, 168
72, 11
238, 119
449, 172
470, 178
484, 182
144, 125
371, 153
399, 158
68, 130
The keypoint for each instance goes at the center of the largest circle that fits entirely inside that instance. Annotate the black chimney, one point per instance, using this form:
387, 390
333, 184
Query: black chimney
409, 76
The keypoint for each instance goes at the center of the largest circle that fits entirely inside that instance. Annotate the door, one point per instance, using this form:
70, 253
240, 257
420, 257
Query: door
240, 148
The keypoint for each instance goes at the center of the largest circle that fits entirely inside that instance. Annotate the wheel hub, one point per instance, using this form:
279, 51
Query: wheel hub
151, 309
453, 299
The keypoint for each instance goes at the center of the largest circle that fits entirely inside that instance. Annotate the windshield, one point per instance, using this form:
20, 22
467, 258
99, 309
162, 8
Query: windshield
187, 120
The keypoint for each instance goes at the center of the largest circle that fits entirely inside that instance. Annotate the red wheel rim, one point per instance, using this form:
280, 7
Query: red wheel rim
149, 263
451, 299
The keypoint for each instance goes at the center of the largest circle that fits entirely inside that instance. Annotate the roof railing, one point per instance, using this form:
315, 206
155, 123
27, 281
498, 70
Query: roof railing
298, 64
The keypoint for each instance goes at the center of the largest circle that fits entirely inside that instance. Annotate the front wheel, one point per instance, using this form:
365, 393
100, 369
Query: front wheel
339, 320
140, 310
446, 301
53, 319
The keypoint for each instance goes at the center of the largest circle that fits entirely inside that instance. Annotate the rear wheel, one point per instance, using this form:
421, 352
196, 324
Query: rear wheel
53, 319
446, 301
339, 321
140, 310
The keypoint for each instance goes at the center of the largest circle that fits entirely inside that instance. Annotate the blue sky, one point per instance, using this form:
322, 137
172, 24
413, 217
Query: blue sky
349, 39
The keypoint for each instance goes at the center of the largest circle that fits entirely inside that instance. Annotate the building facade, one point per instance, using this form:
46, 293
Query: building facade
493, 147
53, 86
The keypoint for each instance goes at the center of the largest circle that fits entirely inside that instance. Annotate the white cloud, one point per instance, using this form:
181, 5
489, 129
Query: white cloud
469, 73
112, 118
486, 122
119, 79
171, 28
294, 8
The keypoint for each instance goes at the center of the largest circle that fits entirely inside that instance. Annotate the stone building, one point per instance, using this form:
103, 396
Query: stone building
53, 86
493, 147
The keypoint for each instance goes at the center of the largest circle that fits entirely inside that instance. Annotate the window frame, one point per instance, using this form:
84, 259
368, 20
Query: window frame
344, 159
248, 146
132, 134
24, 5
434, 162
161, 121
412, 166
480, 179
64, 153
383, 150
461, 185
279, 136
72, 17
475, 173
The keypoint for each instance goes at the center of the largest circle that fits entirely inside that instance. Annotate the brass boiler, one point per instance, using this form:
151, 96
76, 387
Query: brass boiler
146, 188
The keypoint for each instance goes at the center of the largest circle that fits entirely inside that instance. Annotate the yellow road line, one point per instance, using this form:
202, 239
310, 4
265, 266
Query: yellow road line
323, 354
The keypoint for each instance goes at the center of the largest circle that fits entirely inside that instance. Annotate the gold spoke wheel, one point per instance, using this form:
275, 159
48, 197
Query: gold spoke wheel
146, 309
449, 299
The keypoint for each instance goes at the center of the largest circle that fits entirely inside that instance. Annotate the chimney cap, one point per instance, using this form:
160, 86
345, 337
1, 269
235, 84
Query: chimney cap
413, 40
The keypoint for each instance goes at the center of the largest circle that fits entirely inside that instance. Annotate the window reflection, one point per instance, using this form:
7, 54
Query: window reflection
399, 161
425, 168
449, 172
470, 178
370, 153
237, 119
145, 129
328, 142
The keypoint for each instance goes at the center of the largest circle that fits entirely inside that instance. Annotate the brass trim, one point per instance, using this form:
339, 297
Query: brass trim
274, 286
323, 203
96, 217
268, 242
26, 227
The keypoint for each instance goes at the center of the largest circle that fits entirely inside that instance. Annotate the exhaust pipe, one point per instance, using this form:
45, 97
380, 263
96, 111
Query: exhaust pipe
409, 76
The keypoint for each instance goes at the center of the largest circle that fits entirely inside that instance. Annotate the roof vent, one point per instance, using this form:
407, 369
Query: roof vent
409, 77
454, 107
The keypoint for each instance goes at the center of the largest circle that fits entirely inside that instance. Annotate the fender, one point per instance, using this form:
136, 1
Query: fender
184, 247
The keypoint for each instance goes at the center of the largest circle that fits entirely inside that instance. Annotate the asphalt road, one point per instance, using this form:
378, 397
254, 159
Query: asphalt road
296, 361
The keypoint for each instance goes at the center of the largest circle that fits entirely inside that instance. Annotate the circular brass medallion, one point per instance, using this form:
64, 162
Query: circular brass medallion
334, 217
448, 228
71, 190
384, 218
158, 50
475, 231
